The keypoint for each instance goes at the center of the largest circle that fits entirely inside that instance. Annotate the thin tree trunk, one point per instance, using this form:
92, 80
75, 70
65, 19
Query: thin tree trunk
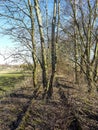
57, 34
75, 42
33, 45
95, 77
53, 52
88, 45
94, 61
47, 29
42, 40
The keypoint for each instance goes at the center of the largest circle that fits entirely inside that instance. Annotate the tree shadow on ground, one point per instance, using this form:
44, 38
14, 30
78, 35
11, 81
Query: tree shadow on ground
65, 86
14, 95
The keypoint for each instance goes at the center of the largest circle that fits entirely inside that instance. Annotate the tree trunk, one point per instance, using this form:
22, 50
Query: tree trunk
43, 53
53, 52
75, 42
33, 45
89, 72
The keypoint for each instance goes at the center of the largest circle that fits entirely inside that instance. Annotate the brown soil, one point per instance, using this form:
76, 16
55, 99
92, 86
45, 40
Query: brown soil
69, 109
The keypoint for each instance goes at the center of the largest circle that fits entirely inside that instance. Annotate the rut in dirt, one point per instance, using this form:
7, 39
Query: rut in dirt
14, 125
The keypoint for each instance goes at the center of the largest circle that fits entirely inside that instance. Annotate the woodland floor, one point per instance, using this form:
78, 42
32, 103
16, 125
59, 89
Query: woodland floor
70, 108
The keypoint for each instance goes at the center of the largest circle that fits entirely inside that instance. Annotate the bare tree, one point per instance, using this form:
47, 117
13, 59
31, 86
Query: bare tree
86, 37
53, 51
20, 18
42, 40
31, 11
73, 4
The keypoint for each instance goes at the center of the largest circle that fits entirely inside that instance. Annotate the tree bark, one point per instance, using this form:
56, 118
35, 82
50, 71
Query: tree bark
75, 39
53, 52
33, 44
42, 40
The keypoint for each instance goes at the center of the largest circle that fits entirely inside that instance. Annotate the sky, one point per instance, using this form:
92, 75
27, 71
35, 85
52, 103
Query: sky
6, 44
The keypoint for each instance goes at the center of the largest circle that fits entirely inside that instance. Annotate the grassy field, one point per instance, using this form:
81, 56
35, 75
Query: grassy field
8, 81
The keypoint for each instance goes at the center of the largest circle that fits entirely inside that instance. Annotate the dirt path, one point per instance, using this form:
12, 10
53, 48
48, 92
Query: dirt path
13, 108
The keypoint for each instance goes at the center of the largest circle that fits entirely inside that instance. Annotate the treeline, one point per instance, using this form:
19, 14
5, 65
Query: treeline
49, 32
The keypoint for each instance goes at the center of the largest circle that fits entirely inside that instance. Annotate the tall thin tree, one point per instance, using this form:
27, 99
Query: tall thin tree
53, 51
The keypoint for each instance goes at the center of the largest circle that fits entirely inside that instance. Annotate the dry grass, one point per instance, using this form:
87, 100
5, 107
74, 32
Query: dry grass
71, 107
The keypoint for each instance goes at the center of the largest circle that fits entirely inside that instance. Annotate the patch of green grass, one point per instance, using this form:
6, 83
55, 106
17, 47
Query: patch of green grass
8, 81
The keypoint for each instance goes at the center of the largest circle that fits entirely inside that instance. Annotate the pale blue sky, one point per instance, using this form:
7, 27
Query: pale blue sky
5, 45
5, 41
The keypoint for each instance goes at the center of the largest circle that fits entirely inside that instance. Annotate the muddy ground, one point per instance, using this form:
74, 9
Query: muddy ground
69, 109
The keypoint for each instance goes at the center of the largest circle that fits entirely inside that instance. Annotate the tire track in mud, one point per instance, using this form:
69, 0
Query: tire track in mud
14, 125
13, 108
